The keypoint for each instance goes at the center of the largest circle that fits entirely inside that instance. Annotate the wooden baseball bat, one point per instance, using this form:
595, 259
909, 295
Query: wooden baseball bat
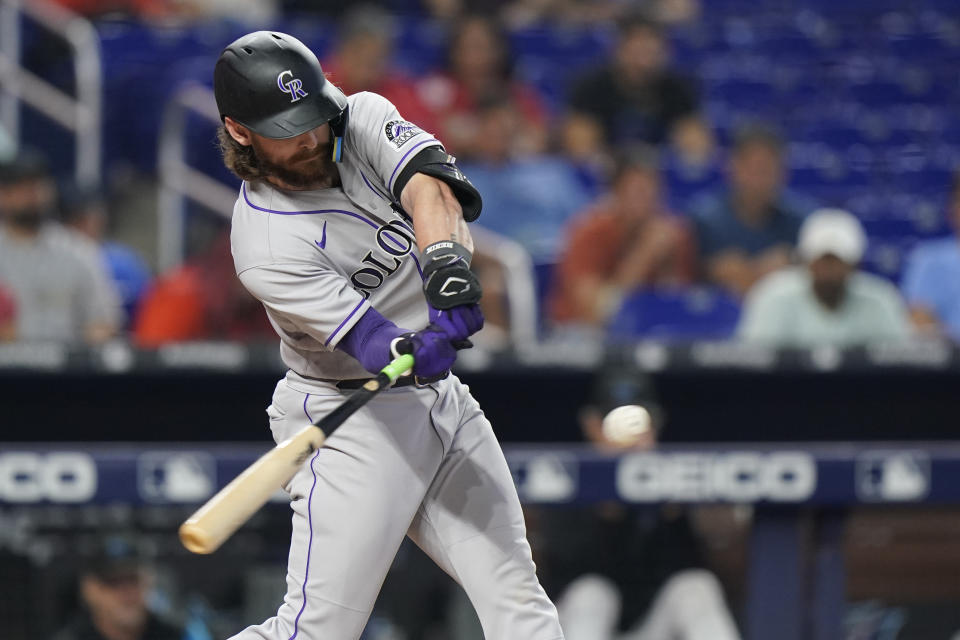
224, 513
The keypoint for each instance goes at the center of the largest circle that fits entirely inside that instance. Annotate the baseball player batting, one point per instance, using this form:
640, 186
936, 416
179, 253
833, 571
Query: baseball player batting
350, 227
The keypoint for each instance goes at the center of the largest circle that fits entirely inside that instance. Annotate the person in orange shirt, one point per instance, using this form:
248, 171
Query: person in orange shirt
200, 300
625, 242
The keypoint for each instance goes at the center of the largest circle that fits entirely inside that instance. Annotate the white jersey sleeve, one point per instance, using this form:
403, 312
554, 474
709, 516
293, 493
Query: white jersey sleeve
382, 139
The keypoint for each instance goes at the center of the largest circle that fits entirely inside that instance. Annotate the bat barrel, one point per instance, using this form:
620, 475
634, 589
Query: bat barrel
226, 512
196, 538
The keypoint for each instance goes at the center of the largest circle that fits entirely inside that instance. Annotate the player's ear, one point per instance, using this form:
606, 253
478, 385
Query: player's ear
238, 132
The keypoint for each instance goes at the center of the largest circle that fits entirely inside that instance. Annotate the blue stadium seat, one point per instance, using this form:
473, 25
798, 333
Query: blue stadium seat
682, 314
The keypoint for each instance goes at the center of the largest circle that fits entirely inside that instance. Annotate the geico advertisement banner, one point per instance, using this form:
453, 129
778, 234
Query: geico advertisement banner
737, 476
824, 474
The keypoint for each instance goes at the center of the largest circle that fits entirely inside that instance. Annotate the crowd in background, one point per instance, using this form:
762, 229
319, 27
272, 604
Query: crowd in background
580, 188
583, 190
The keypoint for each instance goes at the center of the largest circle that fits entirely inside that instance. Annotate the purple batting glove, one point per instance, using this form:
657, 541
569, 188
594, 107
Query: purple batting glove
432, 352
459, 323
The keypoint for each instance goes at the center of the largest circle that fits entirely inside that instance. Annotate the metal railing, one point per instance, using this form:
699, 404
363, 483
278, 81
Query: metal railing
519, 282
179, 182
80, 114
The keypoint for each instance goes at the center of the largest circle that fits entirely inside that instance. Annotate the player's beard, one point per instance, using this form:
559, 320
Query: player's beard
310, 169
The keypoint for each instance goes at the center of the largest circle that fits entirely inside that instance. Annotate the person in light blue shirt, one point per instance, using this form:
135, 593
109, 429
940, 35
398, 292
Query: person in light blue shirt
527, 198
931, 280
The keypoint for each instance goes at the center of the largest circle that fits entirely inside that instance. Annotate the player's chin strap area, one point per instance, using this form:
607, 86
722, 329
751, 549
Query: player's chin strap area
338, 127
338, 149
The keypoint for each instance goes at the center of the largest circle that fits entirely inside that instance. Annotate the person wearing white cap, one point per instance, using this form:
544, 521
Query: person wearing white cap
826, 300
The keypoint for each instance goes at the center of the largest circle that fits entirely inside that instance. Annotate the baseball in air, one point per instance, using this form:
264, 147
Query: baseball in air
626, 425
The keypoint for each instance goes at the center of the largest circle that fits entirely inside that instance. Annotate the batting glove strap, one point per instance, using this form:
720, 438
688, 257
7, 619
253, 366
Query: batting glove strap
447, 279
402, 345
433, 354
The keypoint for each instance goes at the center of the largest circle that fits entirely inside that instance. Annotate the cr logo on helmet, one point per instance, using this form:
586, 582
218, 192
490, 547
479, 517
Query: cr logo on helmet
293, 86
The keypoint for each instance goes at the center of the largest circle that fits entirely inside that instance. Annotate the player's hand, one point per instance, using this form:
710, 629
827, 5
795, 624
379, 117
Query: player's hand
447, 279
459, 323
433, 354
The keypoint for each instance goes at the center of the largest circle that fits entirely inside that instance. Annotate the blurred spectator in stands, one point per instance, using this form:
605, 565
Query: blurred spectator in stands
113, 588
625, 242
527, 198
827, 300
520, 14
931, 281
694, 152
253, 12
8, 316
85, 211
749, 230
618, 571
479, 67
635, 97
60, 287
362, 61
201, 300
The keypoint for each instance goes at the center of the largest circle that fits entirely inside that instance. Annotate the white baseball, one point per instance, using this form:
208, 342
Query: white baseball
625, 425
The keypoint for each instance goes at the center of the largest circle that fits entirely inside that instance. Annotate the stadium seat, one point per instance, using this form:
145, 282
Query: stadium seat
697, 313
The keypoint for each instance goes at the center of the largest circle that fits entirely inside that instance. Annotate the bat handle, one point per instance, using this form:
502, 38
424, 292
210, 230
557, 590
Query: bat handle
399, 365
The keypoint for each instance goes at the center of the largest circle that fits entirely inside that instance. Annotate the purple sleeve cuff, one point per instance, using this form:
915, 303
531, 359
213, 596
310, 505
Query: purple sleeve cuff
369, 340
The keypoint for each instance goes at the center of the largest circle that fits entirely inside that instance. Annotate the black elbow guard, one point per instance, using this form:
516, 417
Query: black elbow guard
437, 163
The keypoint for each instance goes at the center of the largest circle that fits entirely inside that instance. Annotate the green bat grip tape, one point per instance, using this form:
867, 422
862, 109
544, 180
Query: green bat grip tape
399, 365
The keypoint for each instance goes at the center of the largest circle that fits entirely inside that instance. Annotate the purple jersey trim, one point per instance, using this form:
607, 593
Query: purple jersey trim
406, 225
397, 168
396, 243
417, 263
375, 191
306, 571
305, 412
345, 320
352, 214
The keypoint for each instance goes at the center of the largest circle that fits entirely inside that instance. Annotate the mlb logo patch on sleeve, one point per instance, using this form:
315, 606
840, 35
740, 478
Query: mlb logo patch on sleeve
400, 131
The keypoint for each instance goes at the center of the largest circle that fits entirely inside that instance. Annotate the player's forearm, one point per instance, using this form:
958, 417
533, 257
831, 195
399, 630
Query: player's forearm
436, 213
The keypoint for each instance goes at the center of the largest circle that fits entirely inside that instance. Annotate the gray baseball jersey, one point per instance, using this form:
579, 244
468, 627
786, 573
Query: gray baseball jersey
415, 461
318, 259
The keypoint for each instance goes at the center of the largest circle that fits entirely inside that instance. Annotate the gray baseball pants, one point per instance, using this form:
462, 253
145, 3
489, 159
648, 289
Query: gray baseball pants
421, 462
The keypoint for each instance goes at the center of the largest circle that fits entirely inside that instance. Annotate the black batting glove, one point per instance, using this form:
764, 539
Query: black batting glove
447, 279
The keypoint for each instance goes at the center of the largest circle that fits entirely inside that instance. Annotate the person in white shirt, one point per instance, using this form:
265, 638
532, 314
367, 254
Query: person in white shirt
55, 277
827, 300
